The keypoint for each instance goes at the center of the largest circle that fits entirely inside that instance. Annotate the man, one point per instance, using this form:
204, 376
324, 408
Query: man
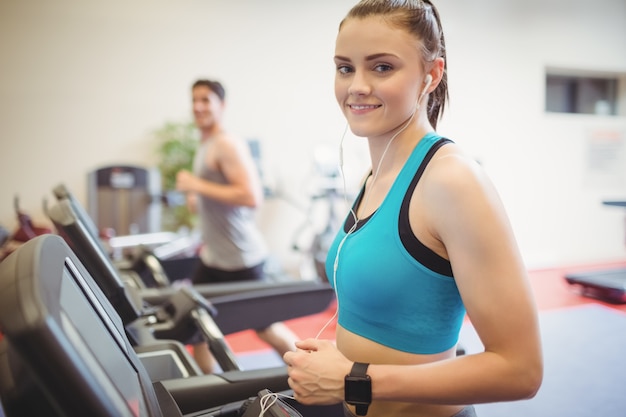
225, 191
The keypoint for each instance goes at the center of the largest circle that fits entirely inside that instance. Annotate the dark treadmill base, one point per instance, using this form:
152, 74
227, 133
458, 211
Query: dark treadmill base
607, 285
263, 304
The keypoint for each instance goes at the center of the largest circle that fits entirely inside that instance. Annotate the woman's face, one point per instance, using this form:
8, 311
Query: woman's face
379, 75
207, 107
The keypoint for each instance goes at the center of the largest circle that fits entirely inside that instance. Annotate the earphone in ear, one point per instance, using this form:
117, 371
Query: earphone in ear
427, 81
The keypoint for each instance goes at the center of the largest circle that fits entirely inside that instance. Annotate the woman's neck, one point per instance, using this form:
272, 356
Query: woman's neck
390, 147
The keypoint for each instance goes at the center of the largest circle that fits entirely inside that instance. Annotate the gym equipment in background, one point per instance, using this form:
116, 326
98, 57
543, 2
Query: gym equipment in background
241, 305
125, 199
267, 301
25, 231
178, 313
607, 285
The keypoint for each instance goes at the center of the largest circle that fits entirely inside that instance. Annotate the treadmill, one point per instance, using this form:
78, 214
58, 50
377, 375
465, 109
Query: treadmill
80, 232
183, 310
607, 285
156, 337
65, 352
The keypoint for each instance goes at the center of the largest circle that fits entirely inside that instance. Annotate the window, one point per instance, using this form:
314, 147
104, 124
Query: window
582, 94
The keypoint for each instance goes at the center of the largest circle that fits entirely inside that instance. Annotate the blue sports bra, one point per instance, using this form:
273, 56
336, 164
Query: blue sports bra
391, 288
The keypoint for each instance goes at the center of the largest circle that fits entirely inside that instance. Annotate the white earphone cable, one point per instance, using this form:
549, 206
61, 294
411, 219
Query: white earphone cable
354, 216
269, 399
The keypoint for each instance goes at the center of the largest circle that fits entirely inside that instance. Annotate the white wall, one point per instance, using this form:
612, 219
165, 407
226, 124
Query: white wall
85, 84
498, 54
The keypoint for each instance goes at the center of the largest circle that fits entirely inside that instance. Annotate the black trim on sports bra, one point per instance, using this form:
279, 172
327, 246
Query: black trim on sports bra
347, 225
412, 244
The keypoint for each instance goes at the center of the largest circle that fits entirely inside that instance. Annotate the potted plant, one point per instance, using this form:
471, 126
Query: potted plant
176, 150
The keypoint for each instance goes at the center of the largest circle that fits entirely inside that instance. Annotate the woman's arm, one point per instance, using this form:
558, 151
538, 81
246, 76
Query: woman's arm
467, 217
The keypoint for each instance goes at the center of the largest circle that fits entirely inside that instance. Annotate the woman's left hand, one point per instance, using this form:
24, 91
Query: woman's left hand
317, 371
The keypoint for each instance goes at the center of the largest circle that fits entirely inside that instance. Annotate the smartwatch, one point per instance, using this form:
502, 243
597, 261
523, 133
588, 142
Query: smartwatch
358, 388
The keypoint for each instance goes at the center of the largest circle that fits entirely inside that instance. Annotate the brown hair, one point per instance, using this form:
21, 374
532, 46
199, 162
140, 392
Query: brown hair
214, 86
420, 18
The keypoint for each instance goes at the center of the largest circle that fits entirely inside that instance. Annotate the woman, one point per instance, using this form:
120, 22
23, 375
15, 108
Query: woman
427, 241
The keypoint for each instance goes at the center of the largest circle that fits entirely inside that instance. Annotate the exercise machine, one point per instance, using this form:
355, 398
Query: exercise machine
174, 312
26, 230
281, 300
606, 285
125, 198
65, 352
240, 305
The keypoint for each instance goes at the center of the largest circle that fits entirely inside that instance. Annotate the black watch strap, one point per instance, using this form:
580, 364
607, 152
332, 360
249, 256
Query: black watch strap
361, 409
359, 370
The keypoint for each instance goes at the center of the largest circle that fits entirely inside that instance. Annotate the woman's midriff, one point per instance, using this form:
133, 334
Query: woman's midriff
360, 349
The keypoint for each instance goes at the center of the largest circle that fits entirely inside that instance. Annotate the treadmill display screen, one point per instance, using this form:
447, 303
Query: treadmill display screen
100, 344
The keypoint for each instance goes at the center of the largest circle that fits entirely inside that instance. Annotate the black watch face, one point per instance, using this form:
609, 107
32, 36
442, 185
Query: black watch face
358, 390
